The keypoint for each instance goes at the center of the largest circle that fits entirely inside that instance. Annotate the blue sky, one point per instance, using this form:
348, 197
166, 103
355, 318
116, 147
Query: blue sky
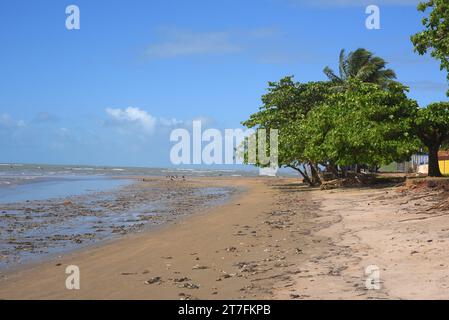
111, 92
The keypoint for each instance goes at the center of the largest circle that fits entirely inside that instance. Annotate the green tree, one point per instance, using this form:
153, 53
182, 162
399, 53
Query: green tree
361, 65
364, 125
432, 128
435, 36
285, 107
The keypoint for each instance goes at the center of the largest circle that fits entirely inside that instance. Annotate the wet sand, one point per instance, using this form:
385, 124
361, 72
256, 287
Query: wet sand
276, 240
36, 229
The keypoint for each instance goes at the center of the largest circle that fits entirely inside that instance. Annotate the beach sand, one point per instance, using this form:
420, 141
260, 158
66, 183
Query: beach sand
276, 240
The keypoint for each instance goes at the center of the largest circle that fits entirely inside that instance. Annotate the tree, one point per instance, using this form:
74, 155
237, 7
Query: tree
361, 65
364, 125
432, 128
435, 37
285, 106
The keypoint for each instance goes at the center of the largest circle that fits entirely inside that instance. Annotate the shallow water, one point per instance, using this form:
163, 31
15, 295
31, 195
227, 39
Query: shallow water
48, 210
24, 173
46, 188
31, 230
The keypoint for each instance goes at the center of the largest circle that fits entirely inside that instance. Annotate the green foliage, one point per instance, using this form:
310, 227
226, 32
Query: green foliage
432, 127
369, 121
361, 65
432, 124
435, 37
363, 125
285, 107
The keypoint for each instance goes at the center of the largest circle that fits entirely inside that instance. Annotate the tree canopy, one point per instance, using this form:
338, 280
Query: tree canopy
364, 124
432, 128
285, 107
435, 37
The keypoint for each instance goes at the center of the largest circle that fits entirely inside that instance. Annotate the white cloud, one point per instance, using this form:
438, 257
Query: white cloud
176, 42
136, 121
7, 121
131, 117
181, 43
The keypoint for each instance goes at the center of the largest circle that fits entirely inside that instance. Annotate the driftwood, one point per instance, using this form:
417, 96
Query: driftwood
361, 179
344, 182
332, 184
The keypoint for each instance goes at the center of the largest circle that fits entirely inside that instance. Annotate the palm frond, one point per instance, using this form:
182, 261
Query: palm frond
363, 65
331, 75
343, 65
357, 59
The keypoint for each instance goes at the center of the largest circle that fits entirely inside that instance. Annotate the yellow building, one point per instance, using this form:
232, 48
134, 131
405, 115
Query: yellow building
443, 160
444, 166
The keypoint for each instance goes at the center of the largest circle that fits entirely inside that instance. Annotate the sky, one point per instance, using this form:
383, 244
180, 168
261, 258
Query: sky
111, 92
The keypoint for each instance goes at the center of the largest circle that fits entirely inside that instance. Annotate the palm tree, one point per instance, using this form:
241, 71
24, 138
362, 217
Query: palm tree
362, 65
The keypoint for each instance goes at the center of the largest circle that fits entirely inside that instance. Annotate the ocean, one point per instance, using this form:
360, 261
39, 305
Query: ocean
22, 182
46, 210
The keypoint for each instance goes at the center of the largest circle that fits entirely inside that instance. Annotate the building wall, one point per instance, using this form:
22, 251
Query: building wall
443, 160
444, 166
419, 159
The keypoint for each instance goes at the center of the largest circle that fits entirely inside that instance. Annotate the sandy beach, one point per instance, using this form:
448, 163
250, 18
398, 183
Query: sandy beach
274, 239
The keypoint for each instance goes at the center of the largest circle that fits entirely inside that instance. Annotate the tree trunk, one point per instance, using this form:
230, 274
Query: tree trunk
315, 177
304, 175
333, 168
434, 167
344, 171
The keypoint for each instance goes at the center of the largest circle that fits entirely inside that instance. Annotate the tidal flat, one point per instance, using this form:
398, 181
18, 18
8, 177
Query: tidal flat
31, 230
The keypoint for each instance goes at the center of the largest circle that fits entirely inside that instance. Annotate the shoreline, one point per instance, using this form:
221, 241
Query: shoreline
146, 230
33, 231
277, 240
152, 241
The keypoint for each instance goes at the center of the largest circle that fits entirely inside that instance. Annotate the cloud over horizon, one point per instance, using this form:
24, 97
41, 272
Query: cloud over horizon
136, 120
131, 117
8, 122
